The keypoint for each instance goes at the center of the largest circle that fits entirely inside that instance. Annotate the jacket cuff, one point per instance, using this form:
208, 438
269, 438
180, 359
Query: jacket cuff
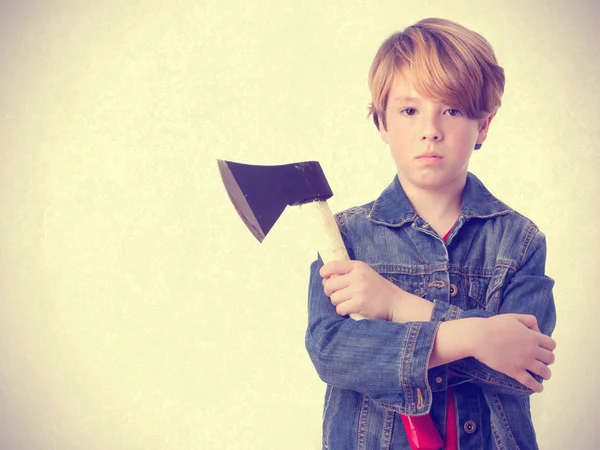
443, 311
438, 378
414, 368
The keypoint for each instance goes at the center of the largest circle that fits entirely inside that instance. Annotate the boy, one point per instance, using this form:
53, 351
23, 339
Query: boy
451, 280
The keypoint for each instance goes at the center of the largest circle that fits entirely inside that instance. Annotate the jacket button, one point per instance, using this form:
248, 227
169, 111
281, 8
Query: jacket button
438, 379
453, 290
470, 427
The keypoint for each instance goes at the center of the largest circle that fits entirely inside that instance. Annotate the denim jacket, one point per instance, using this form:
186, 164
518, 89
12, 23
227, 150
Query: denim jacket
492, 263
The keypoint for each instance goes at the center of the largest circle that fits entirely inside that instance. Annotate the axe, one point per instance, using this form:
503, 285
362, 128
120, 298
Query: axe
260, 194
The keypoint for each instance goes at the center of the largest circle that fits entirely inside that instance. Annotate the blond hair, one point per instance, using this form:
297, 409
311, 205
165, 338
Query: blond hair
447, 62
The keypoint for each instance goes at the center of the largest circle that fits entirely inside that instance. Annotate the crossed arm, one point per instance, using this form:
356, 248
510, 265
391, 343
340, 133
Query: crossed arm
510, 342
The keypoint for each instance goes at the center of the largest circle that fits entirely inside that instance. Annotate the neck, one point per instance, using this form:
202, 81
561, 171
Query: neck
439, 207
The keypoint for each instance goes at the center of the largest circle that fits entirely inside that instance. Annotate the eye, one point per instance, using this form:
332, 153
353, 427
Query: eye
409, 111
453, 112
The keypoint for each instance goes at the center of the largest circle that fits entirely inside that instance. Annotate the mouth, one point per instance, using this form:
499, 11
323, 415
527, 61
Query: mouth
430, 159
430, 156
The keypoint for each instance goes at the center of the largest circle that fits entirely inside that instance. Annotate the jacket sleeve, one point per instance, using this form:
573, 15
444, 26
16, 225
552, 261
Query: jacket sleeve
527, 290
384, 360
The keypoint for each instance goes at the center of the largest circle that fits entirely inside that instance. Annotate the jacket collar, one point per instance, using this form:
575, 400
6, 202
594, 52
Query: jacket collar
393, 208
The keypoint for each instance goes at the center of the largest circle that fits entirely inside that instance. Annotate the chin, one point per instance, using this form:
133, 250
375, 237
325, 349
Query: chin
436, 181
429, 181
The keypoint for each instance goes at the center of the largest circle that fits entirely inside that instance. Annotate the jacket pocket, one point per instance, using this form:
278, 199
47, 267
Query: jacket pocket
477, 288
414, 284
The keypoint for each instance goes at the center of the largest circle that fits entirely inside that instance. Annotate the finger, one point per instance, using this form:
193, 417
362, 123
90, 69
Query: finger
528, 381
345, 308
545, 356
333, 284
340, 297
547, 342
336, 268
541, 369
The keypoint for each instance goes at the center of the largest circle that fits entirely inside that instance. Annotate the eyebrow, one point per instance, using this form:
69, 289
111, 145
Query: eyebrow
406, 99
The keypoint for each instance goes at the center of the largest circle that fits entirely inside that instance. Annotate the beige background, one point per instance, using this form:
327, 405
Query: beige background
137, 312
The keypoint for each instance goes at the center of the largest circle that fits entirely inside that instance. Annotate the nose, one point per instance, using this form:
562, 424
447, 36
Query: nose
432, 137
431, 131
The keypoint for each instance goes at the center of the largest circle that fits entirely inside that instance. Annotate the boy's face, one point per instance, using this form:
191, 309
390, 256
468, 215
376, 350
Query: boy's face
430, 142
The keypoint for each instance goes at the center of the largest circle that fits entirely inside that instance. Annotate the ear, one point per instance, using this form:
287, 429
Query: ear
483, 129
383, 133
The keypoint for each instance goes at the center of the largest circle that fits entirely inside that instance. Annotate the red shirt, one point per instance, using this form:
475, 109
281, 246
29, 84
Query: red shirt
451, 442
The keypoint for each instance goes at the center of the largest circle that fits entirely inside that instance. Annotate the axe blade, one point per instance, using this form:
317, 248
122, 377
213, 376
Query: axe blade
261, 193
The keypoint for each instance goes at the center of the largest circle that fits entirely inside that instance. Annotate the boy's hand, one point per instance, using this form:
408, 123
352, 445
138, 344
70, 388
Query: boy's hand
354, 287
512, 344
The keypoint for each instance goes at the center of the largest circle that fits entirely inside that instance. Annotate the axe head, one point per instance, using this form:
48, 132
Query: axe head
261, 193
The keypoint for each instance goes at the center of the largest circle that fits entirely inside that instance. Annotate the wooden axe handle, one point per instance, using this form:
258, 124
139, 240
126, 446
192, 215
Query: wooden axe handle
330, 244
